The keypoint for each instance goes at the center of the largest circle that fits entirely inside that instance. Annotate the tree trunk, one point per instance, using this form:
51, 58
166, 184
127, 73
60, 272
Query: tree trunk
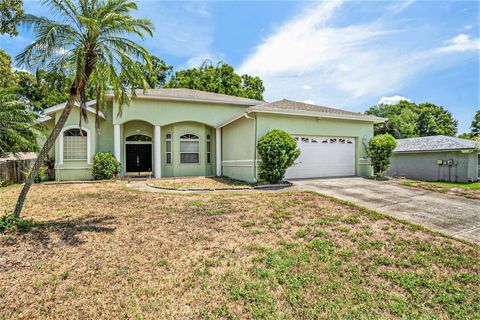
47, 146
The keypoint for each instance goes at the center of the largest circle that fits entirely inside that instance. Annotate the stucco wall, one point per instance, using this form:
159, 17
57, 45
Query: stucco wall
161, 112
423, 166
238, 148
311, 126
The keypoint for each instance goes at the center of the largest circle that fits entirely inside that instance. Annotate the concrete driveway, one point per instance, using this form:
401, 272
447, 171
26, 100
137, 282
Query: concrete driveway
455, 216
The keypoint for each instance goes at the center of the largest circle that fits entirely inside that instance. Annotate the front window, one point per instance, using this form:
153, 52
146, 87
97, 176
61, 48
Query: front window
209, 152
168, 148
189, 149
75, 144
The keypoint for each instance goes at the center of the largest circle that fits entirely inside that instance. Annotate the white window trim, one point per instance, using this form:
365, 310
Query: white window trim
189, 140
89, 158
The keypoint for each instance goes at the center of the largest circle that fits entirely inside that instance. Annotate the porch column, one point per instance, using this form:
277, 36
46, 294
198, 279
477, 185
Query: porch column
218, 151
157, 154
116, 142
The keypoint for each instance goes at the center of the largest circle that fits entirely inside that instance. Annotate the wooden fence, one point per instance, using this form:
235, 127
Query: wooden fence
14, 171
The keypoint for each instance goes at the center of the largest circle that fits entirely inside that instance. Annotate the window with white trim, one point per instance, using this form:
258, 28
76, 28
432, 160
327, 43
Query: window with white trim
209, 150
75, 144
168, 148
189, 149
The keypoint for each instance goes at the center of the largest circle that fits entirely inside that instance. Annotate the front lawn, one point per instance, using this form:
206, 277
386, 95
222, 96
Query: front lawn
467, 190
198, 183
104, 251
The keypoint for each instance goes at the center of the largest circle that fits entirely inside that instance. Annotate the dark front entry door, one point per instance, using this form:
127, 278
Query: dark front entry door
138, 157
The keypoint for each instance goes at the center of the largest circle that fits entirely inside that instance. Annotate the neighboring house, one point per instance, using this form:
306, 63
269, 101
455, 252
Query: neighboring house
436, 158
183, 132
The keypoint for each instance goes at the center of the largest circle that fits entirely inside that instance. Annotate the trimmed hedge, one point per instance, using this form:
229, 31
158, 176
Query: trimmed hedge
278, 150
105, 166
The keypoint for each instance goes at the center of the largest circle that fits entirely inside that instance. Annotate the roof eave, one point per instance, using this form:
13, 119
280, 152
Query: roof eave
466, 150
318, 114
141, 96
61, 106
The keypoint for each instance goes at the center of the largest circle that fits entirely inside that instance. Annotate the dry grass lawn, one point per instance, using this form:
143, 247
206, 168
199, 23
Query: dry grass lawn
105, 252
198, 183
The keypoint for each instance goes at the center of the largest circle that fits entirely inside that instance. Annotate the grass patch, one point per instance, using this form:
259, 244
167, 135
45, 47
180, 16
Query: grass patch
466, 190
105, 251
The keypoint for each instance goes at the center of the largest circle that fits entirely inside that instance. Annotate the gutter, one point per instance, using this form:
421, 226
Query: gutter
318, 115
440, 150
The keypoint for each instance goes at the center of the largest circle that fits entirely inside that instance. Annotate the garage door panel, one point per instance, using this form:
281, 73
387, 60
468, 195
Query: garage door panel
323, 157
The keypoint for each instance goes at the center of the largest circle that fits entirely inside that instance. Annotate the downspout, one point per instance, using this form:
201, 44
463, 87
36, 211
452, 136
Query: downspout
254, 146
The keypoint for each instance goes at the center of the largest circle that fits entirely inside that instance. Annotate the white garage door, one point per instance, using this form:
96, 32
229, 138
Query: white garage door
323, 157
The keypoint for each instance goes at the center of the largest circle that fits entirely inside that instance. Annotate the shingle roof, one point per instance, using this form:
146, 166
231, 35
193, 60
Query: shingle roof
434, 143
290, 105
196, 95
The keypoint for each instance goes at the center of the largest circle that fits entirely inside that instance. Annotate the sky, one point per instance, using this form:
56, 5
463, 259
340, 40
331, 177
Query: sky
345, 54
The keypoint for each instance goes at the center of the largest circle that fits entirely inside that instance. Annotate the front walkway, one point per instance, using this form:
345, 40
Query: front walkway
455, 216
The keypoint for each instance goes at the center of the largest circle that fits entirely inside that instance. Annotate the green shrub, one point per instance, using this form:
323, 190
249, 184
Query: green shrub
380, 150
105, 166
11, 222
278, 150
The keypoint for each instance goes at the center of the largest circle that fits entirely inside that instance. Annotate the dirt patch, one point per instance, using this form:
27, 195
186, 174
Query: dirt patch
103, 251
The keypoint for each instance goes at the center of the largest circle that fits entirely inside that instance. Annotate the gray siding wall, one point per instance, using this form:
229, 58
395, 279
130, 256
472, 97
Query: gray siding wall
423, 166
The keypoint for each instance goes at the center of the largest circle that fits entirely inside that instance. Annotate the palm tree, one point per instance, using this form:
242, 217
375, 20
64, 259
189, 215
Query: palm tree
91, 39
18, 130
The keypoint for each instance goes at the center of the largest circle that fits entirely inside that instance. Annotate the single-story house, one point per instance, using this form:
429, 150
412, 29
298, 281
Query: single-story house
183, 132
436, 158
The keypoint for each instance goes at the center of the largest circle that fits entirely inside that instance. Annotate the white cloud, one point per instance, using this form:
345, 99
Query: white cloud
468, 27
391, 100
306, 87
345, 64
461, 43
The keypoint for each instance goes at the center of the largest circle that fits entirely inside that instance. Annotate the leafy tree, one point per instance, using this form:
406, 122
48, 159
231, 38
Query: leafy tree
18, 130
407, 120
435, 120
11, 12
92, 40
218, 79
380, 149
7, 76
475, 126
278, 150
155, 75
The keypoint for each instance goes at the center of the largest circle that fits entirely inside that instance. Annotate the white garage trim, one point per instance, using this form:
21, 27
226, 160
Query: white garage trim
323, 157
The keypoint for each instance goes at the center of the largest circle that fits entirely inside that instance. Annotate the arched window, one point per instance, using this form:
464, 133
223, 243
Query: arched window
138, 137
189, 149
75, 144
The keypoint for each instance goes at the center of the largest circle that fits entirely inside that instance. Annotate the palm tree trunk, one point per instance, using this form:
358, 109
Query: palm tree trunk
46, 148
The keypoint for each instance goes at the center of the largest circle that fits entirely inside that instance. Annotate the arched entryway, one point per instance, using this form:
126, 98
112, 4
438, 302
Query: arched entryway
138, 154
138, 148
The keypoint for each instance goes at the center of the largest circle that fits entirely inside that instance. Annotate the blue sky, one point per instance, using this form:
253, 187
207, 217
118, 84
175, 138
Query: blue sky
346, 54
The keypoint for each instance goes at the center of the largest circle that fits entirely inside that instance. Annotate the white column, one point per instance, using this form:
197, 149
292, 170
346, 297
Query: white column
157, 154
116, 142
218, 151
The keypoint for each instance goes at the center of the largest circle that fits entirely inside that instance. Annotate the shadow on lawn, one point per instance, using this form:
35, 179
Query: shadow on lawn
69, 230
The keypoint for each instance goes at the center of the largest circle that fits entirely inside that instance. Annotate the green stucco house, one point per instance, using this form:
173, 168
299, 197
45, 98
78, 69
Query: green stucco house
183, 132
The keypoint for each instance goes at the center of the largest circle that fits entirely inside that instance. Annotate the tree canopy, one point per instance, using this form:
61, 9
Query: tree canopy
93, 41
220, 78
156, 74
474, 133
11, 11
407, 120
